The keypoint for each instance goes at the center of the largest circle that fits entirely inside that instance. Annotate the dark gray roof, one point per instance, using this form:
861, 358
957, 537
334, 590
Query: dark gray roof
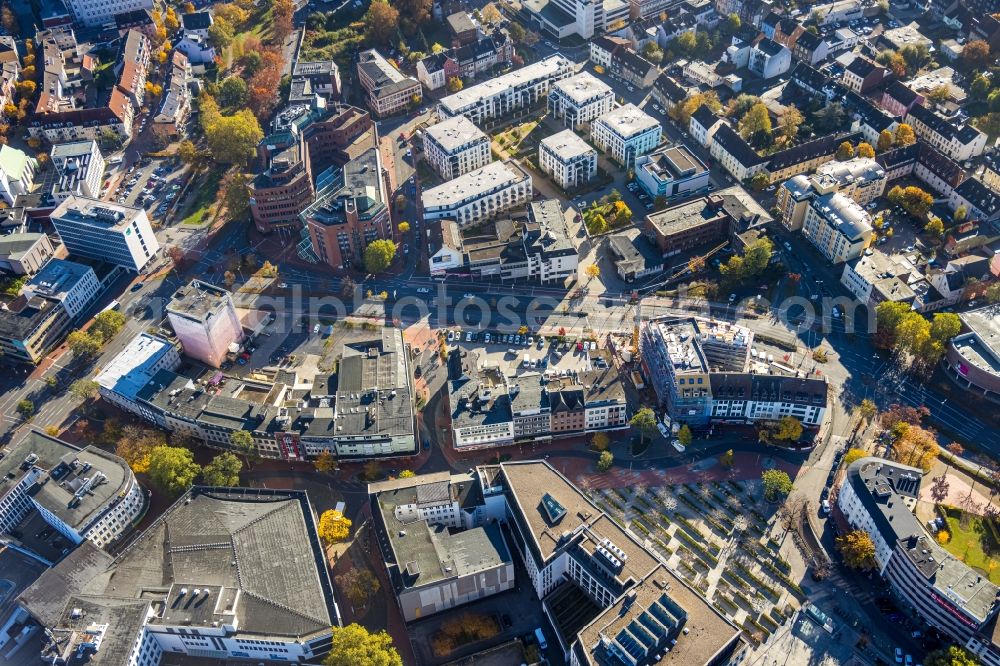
730, 141
118, 621
964, 134
670, 88
876, 481
704, 116
769, 46
977, 193
807, 40
197, 20
808, 77
862, 67
901, 93
83, 571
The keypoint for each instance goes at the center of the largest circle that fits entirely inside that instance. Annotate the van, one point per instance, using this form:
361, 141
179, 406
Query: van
540, 637
826, 507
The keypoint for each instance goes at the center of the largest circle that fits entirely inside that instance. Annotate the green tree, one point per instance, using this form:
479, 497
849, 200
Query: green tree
231, 139
242, 442
868, 410
172, 469
381, 21
960, 215
857, 549
354, 645
221, 33
84, 390
789, 429
26, 409
236, 194
976, 55
106, 325
233, 92
83, 345
759, 181
912, 199
993, 293
359, 584
934, 227
950, 656
187, 151
777, 484
980, 87
644, 421
223, 470
865, 150
915, 56
684, 44
652, 52
325, 462
791, 120
407, 474
684, 435
600, 441
727, 459
854, 455
379, 255
455, 84
605, 461
732, 24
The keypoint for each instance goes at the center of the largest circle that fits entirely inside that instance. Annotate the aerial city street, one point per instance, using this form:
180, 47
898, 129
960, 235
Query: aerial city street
511, 332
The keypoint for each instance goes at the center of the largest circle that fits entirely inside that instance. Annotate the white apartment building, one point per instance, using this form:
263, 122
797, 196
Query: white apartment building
17, 173
959, 142
478, 195
626, 133
861, 178
498, 97
567, 159
387, 90
120, 235
838, 226
74, 285
100, 12
84, 494
204, 319
80, 166
121, 380
580, 99
455, 146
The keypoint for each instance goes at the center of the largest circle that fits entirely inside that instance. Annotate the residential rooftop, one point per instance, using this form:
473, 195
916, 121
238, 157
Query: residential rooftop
132, 368
468, 97
583, 87
453, 133
628, 121
567, 145
494, 176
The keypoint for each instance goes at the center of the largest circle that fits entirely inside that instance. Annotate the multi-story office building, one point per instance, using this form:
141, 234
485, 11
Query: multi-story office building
569, 546
204, 319
879, 497
567, 159
283, 189
119, 235
120, 381
478, 195
704, 370
98, 12
74, 285
80, 166
563, 18
582, 98
436, 558
837, 225
387, 90
221, 597
455, 146
517, 91
363, 410
84, 494
671, 171
959, 142
626, 133
973, 357
351, 210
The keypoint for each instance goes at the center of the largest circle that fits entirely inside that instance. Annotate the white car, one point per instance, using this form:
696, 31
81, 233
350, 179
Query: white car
676, 443
451, 336
423, 290
469, 296
468, 336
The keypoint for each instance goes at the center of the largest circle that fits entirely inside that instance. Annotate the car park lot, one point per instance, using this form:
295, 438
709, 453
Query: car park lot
513, 354
152, 184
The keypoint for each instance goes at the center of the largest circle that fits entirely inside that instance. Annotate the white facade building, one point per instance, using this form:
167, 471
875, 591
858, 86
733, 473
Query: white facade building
121, 380
120, 235
479, 194
567, 159
959, 142
82, 493
100, 12
74, 285
580, 99
17, 173
80, 166
517, 90
838, 227
455, 146
626, 133
204, 319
